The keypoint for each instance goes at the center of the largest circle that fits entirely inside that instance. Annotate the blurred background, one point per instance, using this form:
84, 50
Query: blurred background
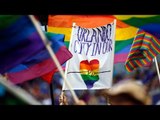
40, 89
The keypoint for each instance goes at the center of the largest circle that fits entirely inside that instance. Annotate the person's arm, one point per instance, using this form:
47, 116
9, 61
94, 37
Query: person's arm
63, 99
80, 102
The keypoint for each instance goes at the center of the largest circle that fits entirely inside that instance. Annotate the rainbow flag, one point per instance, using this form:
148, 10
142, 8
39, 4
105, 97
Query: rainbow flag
41, 63
18, 38
124, 33
149, 23
145, 47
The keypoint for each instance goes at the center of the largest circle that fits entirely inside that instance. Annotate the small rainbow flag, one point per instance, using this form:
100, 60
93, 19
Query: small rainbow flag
145, 47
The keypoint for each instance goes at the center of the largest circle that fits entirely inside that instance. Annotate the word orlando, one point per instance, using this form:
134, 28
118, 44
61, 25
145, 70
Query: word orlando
94, 41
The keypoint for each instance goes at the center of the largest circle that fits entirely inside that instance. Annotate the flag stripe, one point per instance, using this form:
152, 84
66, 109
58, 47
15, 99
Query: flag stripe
118, 58
119, 45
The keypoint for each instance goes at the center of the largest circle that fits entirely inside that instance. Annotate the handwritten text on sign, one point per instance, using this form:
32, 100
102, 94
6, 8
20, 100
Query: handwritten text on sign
98, 40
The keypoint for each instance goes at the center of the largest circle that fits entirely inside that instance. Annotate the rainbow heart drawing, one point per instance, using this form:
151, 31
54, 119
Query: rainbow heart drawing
89, 72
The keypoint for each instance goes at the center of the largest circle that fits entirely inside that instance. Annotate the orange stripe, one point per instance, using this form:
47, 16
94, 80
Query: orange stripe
149, 57
139, 63
87, 21
136, 46
128, 69
152, 52
84, 66
131, 63
144, 62
133, 52
121, 24
148, 41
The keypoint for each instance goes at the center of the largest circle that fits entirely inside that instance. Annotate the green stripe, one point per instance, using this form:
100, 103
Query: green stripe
89, 77
155, 44
154, 51
119, 45
136, 48
138, 22
66, 43
7, 20
137, 57
140, 35
141, 62
129, 65
147, 58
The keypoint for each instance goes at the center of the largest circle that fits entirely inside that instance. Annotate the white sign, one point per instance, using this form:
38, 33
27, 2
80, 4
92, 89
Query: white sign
91, 66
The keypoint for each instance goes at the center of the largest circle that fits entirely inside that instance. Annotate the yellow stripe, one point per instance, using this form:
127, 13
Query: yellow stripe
131, 64
125, 33
125, 17
121, 33
128, 68
144, 62
66, 31
155, 40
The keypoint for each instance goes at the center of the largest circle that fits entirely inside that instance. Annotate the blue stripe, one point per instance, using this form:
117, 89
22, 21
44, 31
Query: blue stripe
153, 29
54, 38
57, 43
124, 50
10, 40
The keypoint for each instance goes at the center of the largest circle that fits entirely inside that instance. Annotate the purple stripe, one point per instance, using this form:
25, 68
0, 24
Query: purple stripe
20, 53
39, 69
120, 58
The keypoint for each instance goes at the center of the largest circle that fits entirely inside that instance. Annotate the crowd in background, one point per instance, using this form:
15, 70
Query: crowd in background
40, 89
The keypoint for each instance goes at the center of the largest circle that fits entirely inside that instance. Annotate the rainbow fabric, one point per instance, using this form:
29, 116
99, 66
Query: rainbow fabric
41, 63
18, 38
124, 33
149, 23
145, 47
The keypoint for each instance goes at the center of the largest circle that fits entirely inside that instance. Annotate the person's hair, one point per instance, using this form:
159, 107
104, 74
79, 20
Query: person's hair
126, 97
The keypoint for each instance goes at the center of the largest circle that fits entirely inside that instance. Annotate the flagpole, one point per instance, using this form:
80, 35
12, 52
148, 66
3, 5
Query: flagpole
157, 68
54, 58
51, 93
45, 27
50, 85
114, 38
67, 64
